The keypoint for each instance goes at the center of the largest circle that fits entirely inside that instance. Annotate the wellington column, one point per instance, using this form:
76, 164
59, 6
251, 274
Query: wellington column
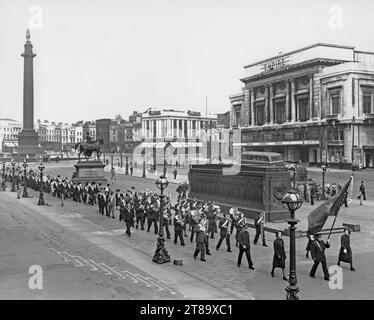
28, 145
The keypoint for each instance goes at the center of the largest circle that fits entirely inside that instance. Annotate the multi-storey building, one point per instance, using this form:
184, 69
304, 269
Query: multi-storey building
177, 136
314, 104
9, 130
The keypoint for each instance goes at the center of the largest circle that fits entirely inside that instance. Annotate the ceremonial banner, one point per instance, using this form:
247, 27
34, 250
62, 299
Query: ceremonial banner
318, 217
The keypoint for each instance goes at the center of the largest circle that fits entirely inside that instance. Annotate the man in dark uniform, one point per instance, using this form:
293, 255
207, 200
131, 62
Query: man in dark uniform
212, 217
317, 249
152, 218
178, 228
224, 226
201, 238
345, 254
259, 224
140, 214
166, 219
129, 218
244, 246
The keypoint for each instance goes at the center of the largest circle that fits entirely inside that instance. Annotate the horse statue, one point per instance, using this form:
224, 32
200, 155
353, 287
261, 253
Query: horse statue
88, 148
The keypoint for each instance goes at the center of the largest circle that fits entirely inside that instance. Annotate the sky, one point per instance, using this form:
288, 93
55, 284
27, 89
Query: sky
99, 58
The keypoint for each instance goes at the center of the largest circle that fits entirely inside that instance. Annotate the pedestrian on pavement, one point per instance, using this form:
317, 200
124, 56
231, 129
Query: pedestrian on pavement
175, 172
112, 174
224, 226
345, 254
259, 224
279, 258
362, 191
317, 249
244, 246
131, 170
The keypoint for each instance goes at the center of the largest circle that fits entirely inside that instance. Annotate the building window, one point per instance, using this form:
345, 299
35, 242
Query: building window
368, 102
175, 123
335, 154
259, 114
335, 102
185, 129
280, 111
303, 109
154, 128
336, 135
180, 128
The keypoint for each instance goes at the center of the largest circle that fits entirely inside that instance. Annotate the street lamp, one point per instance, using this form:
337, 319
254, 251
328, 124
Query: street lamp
127, 165
25, 194
292, 201
13, 185
323, 167
293, 168
41, 201
143, 168
161, 255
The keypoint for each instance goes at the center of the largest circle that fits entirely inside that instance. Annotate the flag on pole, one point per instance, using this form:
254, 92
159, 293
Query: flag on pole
318, 217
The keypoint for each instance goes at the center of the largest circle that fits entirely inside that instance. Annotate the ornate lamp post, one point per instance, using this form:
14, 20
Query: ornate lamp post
25, 194
161, 255
292, 201
41, 201
143, 168
323, 167
13, 185
127, 165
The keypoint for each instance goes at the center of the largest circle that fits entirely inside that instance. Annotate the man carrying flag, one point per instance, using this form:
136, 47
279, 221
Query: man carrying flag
318, 217
316, 221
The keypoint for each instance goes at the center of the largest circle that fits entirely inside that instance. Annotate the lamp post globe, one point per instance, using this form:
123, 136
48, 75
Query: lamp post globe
161, 255
292, 201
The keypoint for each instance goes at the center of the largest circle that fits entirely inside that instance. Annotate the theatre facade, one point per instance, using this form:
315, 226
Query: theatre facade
314, 105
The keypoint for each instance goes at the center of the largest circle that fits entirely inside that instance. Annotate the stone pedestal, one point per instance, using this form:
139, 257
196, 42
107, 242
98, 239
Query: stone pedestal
250, 188
89, 171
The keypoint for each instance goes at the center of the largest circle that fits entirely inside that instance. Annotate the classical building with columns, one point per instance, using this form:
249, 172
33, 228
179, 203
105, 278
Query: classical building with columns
180, 136
314, 105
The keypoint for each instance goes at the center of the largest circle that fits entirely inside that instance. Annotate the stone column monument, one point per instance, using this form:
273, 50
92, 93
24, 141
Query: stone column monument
28, 146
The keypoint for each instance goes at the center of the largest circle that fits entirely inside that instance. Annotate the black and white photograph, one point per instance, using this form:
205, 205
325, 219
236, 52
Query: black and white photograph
212, 151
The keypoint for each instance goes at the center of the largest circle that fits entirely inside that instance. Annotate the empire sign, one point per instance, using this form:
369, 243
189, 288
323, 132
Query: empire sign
275, 64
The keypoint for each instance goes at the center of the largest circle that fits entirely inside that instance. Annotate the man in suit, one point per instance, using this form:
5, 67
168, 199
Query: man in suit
224, 226
244, 246
317, 249
101, 201
110, 205
362, 191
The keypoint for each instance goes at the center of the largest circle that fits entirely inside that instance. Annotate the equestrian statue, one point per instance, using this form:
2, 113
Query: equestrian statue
88, 147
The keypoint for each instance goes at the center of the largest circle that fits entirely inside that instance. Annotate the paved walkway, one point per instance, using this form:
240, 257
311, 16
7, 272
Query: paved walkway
218, 277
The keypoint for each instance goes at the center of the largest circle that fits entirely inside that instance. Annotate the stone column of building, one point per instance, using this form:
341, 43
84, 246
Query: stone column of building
293, 104
311, 97
266, 117
271, 104
245, 109
252, 98
287, 88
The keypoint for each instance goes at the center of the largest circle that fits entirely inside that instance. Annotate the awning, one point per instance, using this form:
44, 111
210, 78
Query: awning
178, 144
147, 145
160, 145
10, 144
